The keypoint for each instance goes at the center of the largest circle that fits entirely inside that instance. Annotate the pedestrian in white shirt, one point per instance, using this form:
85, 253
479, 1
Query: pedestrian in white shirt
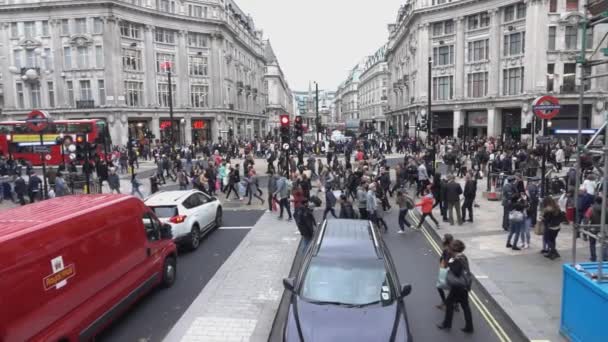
560, 158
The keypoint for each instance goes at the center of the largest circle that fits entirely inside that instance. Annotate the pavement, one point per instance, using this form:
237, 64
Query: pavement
526, 285
240, 301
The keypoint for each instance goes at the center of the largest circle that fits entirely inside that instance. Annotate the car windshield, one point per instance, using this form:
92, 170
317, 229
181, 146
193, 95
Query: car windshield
352, 282
164, 212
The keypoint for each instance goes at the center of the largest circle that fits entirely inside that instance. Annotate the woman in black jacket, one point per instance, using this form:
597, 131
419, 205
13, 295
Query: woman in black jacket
458, 266
552, 218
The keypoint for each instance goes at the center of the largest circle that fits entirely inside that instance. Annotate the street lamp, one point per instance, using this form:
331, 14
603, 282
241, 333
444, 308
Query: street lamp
317, 121
167, 66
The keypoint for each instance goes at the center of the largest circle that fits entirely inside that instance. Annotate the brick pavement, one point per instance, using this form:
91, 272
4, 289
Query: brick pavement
525, 284
240, 301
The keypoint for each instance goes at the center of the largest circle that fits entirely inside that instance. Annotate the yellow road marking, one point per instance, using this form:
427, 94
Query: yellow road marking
487, 315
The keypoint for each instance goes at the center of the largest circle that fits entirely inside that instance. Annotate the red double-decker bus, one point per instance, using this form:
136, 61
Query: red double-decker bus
17, 141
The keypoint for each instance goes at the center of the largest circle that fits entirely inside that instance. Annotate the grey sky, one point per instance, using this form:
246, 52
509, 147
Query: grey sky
320, 40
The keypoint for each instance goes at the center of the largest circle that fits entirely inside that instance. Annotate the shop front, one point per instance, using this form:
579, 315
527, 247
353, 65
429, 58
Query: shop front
444, 123
140, 130
476, 124
178, 130
201, 131
511, 124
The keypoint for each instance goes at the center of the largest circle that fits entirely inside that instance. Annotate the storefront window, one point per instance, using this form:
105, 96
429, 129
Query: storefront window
139, 130
201, 131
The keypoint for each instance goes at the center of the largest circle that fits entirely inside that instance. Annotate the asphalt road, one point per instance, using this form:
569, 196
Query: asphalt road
417, 264
156, 313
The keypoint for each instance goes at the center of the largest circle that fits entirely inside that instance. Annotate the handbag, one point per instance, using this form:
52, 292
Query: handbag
539, 229
442, 279
516, 216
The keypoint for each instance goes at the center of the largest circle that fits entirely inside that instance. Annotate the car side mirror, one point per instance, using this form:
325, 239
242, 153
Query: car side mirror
288, 283
165, 232
405, 290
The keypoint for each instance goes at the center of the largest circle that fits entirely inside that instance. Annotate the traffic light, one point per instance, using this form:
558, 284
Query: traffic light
299, 128
528, 129
423, 124
461, 131
284, 121
538, 125
435, 122
230, 133
407, 126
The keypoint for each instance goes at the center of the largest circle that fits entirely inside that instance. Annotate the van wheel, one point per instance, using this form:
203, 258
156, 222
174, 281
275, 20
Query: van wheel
195, 237
218, 217
169, 272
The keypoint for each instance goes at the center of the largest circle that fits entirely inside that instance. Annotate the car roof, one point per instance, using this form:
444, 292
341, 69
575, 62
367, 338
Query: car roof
42, 214
169, 197
348, 239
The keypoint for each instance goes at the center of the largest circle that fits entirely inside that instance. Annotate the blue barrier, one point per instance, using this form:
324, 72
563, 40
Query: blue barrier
584, 304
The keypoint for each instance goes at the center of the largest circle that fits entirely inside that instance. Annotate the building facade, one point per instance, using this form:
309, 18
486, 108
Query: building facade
280, 97
489, 61
348, 95
106, 59
306, 104
373, 91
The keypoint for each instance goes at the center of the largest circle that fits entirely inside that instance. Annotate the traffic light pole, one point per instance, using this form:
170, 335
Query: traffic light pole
171, 108
317, 123
429, 114
46, 187
87, 164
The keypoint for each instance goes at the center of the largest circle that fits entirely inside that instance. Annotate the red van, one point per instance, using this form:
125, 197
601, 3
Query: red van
70, 265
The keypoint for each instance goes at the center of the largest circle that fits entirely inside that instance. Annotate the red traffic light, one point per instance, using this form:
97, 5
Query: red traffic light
298, 120
284, 119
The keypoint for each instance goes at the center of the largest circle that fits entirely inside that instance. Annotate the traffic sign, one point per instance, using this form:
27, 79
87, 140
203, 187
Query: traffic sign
543, 139
286, 146
37, 120
546, 107
47, 157
41, 149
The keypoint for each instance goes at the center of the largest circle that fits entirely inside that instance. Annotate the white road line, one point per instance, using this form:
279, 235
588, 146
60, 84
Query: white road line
235, 228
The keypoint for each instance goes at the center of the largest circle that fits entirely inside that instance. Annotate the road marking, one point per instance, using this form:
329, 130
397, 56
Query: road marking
487, 315
227, 228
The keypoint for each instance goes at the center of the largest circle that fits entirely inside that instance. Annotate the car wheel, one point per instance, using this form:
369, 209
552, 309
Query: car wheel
218, 218
195, 237
169, 272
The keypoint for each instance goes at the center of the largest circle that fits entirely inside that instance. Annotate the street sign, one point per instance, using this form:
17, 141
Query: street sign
37, 120
41, 149
286, 146
543, 140
47, 157
546, 107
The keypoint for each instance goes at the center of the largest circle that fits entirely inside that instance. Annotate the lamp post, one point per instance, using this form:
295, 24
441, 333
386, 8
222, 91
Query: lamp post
317, 122
430, 120
167, 65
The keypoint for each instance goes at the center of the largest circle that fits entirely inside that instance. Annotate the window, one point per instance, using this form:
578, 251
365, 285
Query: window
164, 36
198, 40
51, 91
14, 30
571, 5
81, 25
197, 65
552, 38
35, 95
65, 27
161, 58
101, 88
17, 58
134, 93
29, 29
443, 27
478, 84
67, 58
85, 90
99, 56
442, 88
514, 44
30, 59
131, 60
97, 25
478, 20
569, 79
45, 28
163, 94
83, 57
20, 96
130, 30
198, 96
48, 59
514, 12
479, 50
513, 81
550, 76
166, 5
197, 11
443, 55
571, 37
552, 6
152, 227
70, 88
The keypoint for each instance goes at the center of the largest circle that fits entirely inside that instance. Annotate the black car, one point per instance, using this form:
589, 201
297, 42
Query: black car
347, 288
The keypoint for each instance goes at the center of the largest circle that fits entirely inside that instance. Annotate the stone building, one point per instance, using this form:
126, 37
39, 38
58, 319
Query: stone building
373, 91
490, 60
280, 97
106, 59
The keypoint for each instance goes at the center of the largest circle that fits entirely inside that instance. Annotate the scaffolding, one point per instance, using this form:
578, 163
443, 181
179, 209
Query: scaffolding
596, 12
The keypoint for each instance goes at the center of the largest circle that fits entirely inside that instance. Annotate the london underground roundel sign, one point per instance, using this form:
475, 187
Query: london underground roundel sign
37, 120
546, 107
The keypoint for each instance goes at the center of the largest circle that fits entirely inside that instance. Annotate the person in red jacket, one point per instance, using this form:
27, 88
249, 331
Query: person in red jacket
426, 204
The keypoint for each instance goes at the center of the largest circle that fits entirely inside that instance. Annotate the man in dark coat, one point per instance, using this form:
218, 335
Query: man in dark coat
453, 192
20, 189
470, 190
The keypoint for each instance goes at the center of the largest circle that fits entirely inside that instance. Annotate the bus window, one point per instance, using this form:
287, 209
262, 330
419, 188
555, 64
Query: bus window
102, 132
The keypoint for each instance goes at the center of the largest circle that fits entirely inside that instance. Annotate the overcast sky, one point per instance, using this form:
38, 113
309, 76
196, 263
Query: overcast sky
320, 40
